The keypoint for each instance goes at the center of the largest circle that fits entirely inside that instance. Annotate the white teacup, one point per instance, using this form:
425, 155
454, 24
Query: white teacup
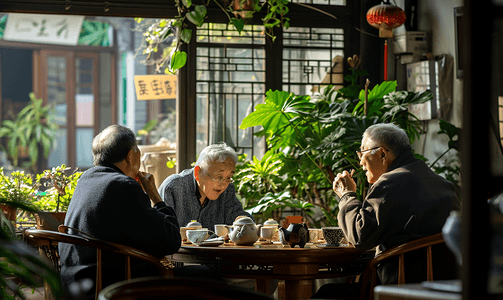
267, 232
183, 232
197, 236
275, 232
221, 229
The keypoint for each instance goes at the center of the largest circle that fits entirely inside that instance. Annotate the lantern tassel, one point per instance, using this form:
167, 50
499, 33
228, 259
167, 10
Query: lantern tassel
385, 60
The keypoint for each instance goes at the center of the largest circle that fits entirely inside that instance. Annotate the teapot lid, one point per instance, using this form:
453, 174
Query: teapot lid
194, 223
271, 222
243, 220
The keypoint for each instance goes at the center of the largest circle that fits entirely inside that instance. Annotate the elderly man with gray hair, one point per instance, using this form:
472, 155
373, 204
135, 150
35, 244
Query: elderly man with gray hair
406, 201
205, 193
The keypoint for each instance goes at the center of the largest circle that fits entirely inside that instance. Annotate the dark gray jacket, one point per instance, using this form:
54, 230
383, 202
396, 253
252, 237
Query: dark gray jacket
407, 202
179, 192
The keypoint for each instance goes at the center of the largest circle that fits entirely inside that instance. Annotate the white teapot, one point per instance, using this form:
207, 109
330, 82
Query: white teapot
244, 232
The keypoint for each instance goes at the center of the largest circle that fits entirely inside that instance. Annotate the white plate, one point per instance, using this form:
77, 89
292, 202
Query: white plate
327, 246
210, 244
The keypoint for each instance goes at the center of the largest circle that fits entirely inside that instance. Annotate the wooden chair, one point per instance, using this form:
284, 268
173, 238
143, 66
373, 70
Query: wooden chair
427, 243
177, 288
47, 241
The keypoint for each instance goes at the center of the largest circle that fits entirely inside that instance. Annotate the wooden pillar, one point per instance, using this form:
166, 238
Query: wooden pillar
186, 108
475, 172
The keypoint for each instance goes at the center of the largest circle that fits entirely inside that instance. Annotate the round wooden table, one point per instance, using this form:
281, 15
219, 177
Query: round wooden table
298, 267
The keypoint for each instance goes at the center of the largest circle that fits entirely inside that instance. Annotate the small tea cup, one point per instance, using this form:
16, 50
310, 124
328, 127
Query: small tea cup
267, 232
197, 236
183, 232
333, 235
221, 229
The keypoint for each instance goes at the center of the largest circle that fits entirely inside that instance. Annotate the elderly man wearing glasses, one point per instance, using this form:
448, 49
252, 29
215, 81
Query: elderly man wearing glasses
205, 193
406, 201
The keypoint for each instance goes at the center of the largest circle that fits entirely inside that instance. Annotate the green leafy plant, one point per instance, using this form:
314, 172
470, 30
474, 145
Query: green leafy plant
17, 189
34, 128
61, 187
275, 17
257, 177
147, 128
178, 32
171, 162
450, 168
20, 265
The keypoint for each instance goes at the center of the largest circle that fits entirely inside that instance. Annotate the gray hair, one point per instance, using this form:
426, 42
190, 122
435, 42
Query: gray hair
112, 145
215, 153
389, 136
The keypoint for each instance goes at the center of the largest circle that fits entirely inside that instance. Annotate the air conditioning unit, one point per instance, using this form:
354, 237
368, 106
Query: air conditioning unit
410, 42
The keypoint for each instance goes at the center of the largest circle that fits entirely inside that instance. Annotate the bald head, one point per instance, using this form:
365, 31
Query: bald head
112, 145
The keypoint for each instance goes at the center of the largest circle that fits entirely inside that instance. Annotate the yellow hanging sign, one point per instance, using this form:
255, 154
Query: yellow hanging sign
155, 87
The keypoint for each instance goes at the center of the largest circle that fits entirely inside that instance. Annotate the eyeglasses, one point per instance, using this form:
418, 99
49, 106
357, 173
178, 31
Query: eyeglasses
221, 179
361, 153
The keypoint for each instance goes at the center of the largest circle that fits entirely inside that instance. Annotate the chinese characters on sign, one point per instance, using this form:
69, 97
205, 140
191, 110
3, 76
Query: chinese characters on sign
44, 29
155, 87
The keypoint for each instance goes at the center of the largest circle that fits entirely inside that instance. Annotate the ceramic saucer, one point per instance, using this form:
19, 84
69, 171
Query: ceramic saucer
210, 243
328, 246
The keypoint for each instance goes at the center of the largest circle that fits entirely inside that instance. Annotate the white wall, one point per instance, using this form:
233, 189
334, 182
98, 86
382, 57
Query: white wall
436, 18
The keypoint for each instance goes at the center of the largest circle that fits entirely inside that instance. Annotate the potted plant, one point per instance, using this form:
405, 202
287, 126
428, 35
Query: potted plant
20, 263
32, 131
16, 191
53, 202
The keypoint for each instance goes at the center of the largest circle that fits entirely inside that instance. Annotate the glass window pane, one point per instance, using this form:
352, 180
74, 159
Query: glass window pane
231, 80
84, 140
84, 96
84, 106
317, 63
58, 156
56, 87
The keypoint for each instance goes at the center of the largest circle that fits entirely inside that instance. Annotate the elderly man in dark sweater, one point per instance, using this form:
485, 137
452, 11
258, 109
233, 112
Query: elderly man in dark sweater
406, 201
115, 202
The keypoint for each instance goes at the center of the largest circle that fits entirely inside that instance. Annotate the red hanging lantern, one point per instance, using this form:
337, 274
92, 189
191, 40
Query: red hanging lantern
385, 17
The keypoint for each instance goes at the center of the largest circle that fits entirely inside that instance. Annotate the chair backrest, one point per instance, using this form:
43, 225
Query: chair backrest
177, 288
370, 274
44, 238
